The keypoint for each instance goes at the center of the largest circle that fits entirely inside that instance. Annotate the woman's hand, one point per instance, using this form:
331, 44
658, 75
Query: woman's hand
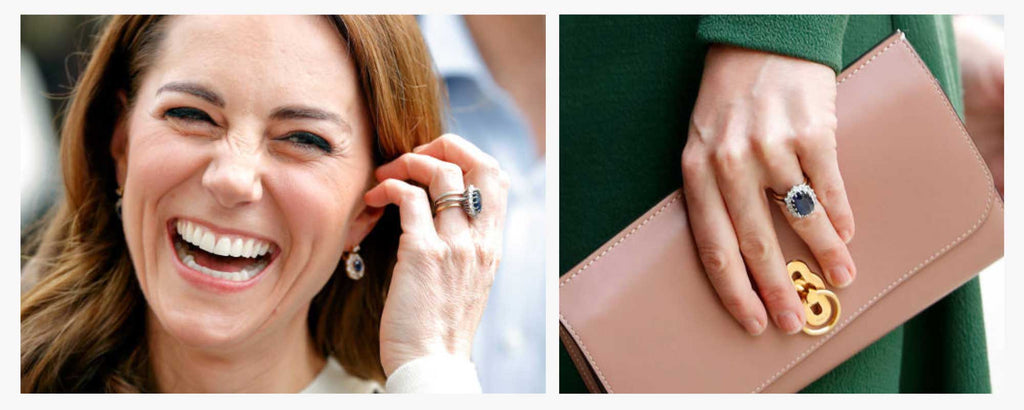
764, 121
981, 50
446, 263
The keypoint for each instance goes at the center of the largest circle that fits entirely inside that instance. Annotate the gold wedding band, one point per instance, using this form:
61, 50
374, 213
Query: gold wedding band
446, 205
469, 200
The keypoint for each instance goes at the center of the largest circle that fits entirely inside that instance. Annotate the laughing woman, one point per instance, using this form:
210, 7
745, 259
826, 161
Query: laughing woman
225, 223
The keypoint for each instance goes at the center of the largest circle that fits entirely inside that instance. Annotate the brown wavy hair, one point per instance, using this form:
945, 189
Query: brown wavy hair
83, 317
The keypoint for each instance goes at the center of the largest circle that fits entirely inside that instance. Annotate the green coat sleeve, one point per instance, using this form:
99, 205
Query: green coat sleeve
815, 38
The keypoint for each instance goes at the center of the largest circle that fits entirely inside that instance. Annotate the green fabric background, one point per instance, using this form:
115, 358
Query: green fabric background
628, 85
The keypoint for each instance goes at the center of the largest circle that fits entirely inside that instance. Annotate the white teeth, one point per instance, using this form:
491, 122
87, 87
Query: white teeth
206, 242
240, 276
247, 248
223, 247
233, 246
236, 247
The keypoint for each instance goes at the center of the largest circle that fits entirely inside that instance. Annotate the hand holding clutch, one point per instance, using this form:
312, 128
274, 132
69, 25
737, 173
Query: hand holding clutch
765, 121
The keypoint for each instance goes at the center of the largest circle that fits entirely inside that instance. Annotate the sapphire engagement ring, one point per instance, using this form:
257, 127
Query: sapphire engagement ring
470, 201
800, 200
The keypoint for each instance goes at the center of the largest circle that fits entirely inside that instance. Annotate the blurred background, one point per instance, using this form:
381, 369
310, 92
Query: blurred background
493, 68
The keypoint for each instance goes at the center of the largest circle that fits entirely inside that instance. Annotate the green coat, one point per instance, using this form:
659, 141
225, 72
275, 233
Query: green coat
628, 85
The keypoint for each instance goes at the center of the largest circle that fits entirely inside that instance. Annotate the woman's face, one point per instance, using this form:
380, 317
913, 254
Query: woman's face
243, 160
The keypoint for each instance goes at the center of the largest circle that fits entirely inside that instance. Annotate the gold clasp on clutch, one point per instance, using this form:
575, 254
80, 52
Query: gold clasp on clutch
821, 305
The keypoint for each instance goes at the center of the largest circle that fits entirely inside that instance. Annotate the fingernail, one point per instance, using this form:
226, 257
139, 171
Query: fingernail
419, 148
840, 276
847, 236
789, 322
753, 326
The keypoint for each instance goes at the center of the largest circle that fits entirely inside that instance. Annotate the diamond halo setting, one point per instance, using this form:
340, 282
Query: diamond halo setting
801, 200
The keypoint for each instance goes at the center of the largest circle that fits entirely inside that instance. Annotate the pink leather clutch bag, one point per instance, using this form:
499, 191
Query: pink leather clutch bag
639, 315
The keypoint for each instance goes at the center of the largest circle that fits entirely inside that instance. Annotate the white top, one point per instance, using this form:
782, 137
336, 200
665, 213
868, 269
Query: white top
432, 374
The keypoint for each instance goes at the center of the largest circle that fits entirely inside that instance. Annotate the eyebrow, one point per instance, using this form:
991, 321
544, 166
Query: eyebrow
303, 112
289, 112
194, 89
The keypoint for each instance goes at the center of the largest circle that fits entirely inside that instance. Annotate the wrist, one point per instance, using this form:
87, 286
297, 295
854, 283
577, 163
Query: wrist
396, 355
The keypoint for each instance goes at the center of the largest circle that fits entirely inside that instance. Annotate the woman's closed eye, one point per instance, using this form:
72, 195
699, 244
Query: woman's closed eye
301, 139
310, 141
189, 114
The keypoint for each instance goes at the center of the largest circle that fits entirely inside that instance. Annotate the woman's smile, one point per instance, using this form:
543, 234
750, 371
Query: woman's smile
213, 259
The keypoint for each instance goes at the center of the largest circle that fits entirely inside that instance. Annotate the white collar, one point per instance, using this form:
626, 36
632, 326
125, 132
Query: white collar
334, 379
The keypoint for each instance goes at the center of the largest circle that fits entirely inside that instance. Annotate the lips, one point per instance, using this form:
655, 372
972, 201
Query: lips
223, 257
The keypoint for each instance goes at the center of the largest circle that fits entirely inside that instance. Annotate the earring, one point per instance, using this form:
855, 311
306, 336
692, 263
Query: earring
354, 264
117, 205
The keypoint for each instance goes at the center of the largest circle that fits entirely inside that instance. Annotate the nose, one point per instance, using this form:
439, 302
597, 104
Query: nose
233, 177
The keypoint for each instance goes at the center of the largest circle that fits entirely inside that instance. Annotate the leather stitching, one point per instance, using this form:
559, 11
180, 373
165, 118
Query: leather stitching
610, 248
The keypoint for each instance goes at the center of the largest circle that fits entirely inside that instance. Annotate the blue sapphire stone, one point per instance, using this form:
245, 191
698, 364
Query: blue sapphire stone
477, 203
803, 203
358, 265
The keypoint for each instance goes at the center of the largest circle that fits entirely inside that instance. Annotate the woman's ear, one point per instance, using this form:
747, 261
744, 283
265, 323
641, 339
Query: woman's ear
365, 220
119, 141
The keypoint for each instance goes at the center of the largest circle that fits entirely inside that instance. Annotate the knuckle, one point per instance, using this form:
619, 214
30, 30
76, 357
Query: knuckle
466, 251
413, 193
404, 158
449, 170
715, 261
701, 126
487, 256
756, 247
693, 162
832, 254
766, 147
449, 137
832, 194
490, 163
735, 302
778, 296
730, 158
436, 251
816, 138
396, 188
764, 138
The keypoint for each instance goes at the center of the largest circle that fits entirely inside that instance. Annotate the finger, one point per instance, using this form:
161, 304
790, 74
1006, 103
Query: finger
441, 178
816, 230
716, 243
412, 202
453, 148
742, 189
822, 167
480, 170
